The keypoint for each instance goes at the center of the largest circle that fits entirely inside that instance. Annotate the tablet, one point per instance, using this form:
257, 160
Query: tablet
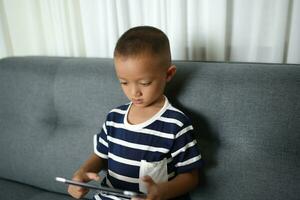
104, 190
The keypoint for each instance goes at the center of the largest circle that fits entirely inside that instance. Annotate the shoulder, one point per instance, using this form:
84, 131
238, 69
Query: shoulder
118, 111
176, 114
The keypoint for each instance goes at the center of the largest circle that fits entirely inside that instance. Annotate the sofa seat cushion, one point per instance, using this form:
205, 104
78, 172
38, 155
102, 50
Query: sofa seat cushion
18, 191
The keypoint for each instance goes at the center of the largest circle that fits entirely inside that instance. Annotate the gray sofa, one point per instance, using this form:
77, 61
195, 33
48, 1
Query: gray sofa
246, 116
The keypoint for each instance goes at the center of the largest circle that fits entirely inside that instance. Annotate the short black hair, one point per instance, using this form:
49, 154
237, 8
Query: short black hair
143, 39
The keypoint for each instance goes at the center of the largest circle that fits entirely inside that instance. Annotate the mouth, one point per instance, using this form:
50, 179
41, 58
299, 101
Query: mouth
137, 101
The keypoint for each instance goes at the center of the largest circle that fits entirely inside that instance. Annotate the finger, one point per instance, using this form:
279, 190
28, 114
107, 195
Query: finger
137, 198
82, 189
148, 183
148, 180
78, 188
78, 195
77, 192
76, 178
93, 176
75, 188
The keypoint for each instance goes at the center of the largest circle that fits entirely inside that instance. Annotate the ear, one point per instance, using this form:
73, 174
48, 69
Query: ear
171, 72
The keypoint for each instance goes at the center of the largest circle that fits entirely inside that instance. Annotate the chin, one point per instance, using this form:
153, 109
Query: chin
142, 105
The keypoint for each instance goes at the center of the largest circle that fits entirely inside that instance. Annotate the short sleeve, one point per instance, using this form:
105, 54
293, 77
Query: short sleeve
185, 153
101, 144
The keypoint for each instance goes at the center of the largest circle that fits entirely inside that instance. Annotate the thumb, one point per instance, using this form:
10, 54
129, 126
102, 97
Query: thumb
93, 176
151, 187
148, 180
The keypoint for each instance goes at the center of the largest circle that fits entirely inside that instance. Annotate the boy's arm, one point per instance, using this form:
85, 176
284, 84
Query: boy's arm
87, 172
181, 184
93, 164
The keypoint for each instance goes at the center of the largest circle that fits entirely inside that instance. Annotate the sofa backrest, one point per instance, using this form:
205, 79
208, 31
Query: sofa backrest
246, 117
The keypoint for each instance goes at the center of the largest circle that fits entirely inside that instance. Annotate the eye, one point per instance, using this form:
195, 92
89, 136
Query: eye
145, 83
123, 83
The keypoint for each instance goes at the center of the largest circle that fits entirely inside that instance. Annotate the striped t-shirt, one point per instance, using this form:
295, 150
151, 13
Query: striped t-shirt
161, 147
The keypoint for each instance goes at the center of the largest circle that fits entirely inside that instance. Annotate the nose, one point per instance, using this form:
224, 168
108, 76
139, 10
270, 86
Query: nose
135, 91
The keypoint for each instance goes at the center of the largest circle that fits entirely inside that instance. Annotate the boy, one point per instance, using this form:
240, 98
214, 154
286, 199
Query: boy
146, 145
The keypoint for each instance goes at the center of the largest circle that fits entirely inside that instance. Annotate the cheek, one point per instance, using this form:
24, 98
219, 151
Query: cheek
156, 90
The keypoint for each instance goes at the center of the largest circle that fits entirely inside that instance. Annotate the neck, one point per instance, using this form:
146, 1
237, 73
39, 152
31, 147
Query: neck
138, 115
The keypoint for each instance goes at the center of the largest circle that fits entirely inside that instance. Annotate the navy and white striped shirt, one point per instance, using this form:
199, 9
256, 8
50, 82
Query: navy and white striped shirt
165, 139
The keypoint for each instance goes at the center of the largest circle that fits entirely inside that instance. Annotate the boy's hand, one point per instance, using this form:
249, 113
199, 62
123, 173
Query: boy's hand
78, 192
154, 193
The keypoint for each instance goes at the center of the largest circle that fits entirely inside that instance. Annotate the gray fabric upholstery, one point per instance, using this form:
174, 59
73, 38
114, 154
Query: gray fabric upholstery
246, 116
15, 191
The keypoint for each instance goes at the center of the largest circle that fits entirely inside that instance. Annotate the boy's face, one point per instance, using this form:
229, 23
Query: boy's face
143, 78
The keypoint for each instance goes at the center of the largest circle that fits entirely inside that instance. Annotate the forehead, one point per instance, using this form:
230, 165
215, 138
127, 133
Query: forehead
138, 66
